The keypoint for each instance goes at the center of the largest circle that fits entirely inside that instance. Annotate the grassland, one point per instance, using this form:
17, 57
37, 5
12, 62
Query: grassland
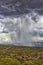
11, 55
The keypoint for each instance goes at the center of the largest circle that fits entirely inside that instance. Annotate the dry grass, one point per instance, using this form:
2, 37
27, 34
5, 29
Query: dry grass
22, 55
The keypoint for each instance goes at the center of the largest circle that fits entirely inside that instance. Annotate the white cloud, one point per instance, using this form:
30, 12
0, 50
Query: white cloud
26, 26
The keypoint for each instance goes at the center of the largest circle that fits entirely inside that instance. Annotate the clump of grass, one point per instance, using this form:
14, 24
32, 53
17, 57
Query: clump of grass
39, 62
9, 61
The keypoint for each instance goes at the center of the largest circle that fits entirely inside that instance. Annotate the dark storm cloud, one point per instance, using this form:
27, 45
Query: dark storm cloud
17, 7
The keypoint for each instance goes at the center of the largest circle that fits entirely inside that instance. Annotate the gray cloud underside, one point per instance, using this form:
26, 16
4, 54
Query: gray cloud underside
18, 7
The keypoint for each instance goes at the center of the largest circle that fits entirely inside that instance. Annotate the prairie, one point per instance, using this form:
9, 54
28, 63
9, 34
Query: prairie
18, 55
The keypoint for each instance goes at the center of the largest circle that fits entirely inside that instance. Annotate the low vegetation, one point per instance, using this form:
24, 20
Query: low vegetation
11, 55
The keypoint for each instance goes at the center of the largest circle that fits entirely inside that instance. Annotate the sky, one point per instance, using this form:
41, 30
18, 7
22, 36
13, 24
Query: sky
21, 22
